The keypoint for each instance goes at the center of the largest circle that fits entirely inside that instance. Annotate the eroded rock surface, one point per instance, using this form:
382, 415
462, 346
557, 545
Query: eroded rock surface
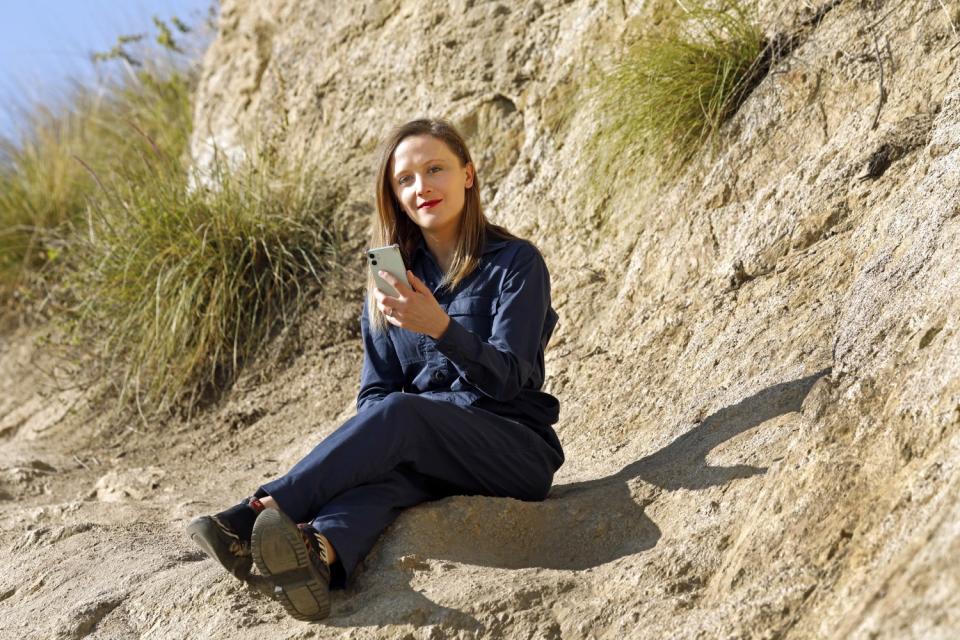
758, 358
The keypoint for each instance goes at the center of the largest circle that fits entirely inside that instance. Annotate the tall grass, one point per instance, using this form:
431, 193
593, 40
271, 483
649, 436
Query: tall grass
42, 188
45, 175
178, 287
675, 86
161, 281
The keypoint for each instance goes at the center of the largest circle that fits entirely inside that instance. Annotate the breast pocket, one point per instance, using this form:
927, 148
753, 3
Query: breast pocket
474, 313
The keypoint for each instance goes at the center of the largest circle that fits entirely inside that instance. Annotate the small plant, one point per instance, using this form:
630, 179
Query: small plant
676, 85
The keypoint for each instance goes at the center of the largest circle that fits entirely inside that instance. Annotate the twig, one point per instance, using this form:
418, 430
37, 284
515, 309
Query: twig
883, 92
877, 22
820, 13
886, 50
953, 27
81, 463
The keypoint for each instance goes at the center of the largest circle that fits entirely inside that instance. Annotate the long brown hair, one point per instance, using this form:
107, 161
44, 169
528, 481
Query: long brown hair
393, 226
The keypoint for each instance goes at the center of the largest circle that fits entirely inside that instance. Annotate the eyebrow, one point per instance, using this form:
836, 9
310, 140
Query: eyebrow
425, 162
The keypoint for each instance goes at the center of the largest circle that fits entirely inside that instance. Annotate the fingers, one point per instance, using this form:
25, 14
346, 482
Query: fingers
406, 308
419, 285
414, 282
395, 282
384, 302
392, 320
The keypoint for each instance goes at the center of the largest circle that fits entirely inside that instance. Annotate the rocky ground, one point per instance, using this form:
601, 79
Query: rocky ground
758, 358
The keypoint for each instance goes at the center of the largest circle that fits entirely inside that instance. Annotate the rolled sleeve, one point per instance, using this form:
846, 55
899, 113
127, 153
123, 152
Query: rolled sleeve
512, 358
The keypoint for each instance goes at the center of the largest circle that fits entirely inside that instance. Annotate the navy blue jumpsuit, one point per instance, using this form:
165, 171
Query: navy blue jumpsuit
458, 415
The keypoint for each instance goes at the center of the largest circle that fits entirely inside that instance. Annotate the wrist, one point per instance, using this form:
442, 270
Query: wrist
442, 328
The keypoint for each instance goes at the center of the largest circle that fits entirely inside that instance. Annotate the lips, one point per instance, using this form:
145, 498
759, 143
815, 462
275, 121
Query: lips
428, 204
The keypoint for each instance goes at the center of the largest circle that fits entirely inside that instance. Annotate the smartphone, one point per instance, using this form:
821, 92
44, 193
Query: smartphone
388, 259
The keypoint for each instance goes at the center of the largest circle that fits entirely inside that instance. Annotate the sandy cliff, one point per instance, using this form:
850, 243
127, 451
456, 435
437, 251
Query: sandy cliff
758, 359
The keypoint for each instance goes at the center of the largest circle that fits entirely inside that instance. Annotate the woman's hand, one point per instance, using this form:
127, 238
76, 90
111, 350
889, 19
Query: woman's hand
415, 309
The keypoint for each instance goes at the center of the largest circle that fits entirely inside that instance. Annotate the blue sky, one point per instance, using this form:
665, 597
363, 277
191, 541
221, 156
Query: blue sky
45, 43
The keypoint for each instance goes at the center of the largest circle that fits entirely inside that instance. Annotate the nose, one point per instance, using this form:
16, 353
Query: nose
422, 186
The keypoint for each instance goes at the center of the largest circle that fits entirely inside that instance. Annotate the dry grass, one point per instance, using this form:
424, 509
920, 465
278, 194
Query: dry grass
673, 89
159, 286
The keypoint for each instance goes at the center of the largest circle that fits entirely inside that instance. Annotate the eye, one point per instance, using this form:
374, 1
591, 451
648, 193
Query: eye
402, 179
437, 167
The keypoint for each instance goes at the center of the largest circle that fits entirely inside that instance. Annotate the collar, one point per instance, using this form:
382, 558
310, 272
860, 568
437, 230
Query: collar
489, 246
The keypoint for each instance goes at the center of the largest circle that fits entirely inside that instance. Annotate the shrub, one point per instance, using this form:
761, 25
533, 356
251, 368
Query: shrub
674, 87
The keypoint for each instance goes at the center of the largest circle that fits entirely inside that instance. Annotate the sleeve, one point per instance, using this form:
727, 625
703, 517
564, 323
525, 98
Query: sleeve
381, 373
502, 366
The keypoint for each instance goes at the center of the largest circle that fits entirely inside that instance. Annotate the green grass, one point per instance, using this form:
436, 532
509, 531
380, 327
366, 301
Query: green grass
676, 85
42, 188
45, 184
178, 287
160, 282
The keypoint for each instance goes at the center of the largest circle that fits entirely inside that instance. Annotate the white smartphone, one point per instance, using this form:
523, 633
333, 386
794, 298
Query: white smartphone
388, 259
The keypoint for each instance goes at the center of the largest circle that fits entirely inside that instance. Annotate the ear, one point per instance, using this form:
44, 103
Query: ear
469, 181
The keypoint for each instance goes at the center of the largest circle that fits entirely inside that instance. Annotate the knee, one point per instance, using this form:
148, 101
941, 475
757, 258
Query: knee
395, 400
538, 486
400, 407
394, 415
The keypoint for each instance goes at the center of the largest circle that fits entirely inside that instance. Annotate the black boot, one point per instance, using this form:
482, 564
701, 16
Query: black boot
292, 559
225, 536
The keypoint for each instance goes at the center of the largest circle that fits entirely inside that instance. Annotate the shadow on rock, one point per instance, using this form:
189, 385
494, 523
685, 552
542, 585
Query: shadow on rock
581, 525
682, 464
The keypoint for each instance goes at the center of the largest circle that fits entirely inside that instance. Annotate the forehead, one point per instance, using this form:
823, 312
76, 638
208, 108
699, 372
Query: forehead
415, 151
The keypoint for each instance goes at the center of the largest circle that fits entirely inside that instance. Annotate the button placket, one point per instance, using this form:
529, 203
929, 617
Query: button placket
424, 347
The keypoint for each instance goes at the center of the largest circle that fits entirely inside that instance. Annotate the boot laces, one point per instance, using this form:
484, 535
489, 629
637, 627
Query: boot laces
317, 543
238, 547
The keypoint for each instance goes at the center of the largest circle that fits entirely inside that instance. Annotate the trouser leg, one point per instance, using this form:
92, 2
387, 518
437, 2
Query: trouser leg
353, 520
470, 450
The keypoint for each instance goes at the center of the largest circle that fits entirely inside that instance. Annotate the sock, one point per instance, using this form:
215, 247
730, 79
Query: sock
241, 517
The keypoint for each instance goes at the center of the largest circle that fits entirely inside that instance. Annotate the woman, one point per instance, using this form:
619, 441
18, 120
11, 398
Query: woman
450, 400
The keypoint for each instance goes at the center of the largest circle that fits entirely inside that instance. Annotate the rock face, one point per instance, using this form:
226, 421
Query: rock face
758, 358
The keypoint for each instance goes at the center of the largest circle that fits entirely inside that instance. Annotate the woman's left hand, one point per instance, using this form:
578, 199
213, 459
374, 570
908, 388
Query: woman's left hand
415, 309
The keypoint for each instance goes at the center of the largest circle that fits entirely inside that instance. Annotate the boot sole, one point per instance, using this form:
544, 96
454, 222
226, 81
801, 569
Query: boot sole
207, 535
282, 557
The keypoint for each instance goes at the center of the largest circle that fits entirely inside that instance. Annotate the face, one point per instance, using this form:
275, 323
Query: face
426, 172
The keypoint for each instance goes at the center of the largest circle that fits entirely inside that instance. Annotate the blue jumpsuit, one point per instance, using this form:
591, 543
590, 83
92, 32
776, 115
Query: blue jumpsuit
458, 415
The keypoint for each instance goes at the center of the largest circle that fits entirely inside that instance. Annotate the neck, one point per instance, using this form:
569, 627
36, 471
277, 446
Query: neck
442, 247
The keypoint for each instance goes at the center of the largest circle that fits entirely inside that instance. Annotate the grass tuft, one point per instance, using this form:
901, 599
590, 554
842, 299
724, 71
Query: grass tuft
46, 183
673, 88
178, 287
161, 281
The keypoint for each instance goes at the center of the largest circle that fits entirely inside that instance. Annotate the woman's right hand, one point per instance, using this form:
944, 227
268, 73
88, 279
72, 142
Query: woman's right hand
415, 309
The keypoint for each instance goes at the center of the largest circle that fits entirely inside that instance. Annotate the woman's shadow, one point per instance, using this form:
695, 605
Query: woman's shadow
581, 525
